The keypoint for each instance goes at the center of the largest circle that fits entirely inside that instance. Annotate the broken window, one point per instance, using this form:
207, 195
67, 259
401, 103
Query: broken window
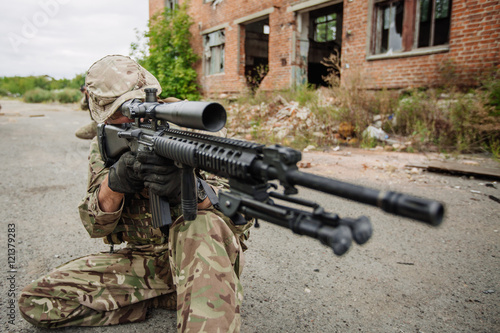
404, 25
389, 26
214, 43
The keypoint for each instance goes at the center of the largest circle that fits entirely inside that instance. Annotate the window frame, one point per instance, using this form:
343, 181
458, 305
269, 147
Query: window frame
335, 20
411, 31
433, 21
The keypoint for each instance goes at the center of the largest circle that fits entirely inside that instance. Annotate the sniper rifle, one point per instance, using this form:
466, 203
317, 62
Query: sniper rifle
251, 170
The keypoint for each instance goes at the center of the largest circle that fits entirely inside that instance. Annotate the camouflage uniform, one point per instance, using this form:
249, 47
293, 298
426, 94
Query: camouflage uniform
201, 261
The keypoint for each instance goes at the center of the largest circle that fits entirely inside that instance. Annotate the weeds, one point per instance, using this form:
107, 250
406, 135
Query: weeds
333, 67
68, 95
444, 119
256, 76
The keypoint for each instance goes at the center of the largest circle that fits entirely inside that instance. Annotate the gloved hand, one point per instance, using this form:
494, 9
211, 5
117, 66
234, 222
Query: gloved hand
160, 175
122, 177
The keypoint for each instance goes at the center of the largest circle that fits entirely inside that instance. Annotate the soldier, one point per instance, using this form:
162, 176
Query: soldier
195, 268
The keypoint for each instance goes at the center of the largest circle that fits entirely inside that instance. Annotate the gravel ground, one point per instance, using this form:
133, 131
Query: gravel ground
408, 278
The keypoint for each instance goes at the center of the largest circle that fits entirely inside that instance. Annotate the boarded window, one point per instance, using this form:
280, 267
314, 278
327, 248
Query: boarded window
214, 52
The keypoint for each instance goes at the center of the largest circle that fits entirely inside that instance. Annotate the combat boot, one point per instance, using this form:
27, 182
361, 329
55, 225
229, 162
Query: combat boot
87, 132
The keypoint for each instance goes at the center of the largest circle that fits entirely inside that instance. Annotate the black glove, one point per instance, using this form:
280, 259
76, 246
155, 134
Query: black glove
122, 177
160, 175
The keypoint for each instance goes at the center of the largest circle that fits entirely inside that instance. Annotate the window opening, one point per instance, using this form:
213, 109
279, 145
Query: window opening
170, 4
256, 52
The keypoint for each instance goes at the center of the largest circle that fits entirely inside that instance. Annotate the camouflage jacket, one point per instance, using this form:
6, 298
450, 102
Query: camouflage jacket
131, 223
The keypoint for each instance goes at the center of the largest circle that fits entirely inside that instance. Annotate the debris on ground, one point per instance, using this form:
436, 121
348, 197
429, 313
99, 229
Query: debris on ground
279, 119
467, 169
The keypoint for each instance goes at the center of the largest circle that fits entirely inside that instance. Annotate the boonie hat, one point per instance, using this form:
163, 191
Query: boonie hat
113, 80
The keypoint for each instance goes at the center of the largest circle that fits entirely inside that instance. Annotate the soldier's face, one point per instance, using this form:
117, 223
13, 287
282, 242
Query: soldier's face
118, 118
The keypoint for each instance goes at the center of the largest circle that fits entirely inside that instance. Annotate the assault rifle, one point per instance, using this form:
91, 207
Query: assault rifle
251, 169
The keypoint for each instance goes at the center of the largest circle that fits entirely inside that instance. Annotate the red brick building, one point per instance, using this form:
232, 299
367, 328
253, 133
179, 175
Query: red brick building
392, 43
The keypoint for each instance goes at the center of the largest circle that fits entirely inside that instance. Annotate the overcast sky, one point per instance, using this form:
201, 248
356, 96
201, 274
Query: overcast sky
62, 38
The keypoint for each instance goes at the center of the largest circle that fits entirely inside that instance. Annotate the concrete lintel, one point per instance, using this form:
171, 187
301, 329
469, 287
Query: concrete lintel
254, 16
311, 3
217, 27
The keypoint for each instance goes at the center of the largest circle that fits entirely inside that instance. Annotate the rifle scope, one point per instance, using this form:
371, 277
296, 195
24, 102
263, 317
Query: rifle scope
207, 116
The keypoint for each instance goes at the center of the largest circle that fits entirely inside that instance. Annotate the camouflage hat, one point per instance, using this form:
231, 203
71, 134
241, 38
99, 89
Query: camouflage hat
113, 80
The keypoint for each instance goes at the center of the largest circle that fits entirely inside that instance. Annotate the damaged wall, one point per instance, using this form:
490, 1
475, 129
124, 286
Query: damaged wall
473, 48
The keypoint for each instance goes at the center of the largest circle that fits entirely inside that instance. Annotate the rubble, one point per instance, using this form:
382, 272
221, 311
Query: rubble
278, 118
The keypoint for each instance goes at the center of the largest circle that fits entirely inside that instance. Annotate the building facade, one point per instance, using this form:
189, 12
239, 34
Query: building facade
389, 43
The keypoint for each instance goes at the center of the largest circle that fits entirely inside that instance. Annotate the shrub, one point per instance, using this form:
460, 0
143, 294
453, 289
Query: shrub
456, 121
68, 95
4, 92
38, 95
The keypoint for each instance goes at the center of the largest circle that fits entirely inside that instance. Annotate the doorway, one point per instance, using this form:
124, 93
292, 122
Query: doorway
256, 52
324, 34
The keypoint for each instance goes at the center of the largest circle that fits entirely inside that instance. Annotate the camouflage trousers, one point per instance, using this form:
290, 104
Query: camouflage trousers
202, 263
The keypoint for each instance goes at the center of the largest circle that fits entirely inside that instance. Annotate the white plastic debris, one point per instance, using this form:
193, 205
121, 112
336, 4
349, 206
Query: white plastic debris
377, 133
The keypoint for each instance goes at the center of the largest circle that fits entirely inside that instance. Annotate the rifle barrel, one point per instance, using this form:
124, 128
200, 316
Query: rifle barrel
424, 210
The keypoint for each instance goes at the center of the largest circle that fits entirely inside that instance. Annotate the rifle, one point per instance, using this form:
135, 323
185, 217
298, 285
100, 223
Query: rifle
251, 170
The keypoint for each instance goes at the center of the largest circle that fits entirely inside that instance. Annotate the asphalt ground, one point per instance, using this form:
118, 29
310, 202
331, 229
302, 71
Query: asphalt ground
408, 278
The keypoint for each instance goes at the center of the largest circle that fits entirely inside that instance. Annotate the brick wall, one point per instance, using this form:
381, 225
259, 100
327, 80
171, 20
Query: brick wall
282, 25
155, 6
206, 16
473, 49
475, 37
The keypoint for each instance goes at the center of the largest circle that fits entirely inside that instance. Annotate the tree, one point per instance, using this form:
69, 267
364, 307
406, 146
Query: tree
168, 54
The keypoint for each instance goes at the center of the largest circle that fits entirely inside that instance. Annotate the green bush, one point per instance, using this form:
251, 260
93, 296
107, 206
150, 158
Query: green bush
171, 57
38, 95
452, 122
68, 95
492, 87
4, 92
18, 85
